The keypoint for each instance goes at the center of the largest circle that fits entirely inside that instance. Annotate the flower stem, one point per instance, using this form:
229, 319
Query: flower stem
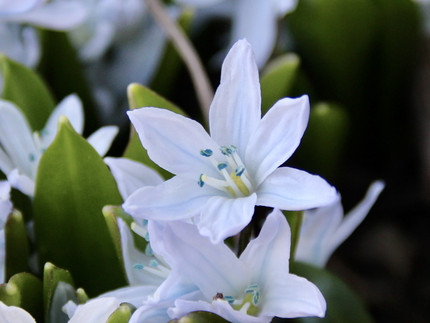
184, 47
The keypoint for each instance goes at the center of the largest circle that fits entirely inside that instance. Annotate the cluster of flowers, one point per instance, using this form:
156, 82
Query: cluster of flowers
219, 179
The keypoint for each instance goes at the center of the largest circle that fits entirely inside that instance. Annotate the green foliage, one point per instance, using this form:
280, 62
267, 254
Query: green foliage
278, 79
73, 184
26, 89
294, 219
199, 317
17, 249
24, 290
140, 96
121, 315
343, 305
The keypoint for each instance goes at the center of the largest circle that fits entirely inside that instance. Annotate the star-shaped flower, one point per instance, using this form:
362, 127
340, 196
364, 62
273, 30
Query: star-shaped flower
220, 178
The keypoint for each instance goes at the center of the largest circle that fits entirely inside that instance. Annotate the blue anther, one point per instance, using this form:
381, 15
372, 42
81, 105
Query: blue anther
229, 299
255, 291
221, 166
146, 237
206, 152
153, 263
138, 266
239, 171
148, 250
44, 132
32, 157
226, 150
201, 182
145, 222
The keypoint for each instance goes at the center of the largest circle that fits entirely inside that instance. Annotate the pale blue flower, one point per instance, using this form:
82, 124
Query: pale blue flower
95, 310
13, 314
325, 229
21, 149
5, 210
209, 277
255, 20
220, 178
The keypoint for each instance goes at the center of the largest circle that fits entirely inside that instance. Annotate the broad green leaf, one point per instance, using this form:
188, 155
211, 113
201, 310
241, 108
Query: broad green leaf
324, 141
24, 290
112, 225
200, 317
17, 248
73, 185
121, 315
278, 79
61, 68
294, 219
26, 89
140, 96
343, 305
52, 276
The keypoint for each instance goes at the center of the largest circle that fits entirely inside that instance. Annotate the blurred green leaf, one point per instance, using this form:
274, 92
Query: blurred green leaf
324, 141
17, 248
52, 276
121, 315
61, 68
24, 290
343, 305
73, 184
26, 89
140, 96
200, 317
294, 219
277, 79
112, 226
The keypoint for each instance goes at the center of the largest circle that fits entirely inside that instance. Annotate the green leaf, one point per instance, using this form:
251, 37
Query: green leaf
24, 290
141, 96
73, 185
343, 305
121, 315
17, 248
26, 89
278, 79
61, 68
52, 276
200, 317
324, 141
294, 219
113, 228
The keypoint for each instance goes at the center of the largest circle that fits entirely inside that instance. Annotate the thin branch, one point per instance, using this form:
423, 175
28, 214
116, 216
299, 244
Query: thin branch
183, 45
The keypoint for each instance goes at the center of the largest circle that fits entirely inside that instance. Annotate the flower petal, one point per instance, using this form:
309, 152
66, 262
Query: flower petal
213, 268
236, 108
261, 35
318, 228
282, 7
21, 182
6, 165
70, 107
17, 6
102, 139
355, 216
13, 314
267, 256
277, 136
223, 217
199, 3
177, 198
293, 296
134, 295
174, 142
56, 15
95, 310
131, 175
293, 189
17, 140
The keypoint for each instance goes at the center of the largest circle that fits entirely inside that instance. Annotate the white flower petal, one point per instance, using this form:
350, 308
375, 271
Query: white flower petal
355, 216
218, 307
131, 175
149, 315
318, 228
134, 295
277, 136
13, 314
174, 142
17, 140
199, 3
293, 189
96, 310
5, 203
223, 217
57, 15
70, 107
218, 262
261, 35
174, 199
236, 108
292, 296
6, 165
17, 6
267, 256
281, 7
102, 139
21, 182
2, 256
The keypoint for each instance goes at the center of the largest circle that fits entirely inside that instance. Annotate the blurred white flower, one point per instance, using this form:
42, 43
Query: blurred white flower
5, 210
13, 314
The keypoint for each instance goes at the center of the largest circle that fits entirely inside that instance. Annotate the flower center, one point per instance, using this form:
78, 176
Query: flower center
236, 180
249, 303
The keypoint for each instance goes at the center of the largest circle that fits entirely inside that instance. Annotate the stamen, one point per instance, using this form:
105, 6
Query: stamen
148, 250
229, 299
138, 266
221, 166
143, 232
239, 171
31, 157
254, 290
153, 263
201, 181
245, 308
206, 152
